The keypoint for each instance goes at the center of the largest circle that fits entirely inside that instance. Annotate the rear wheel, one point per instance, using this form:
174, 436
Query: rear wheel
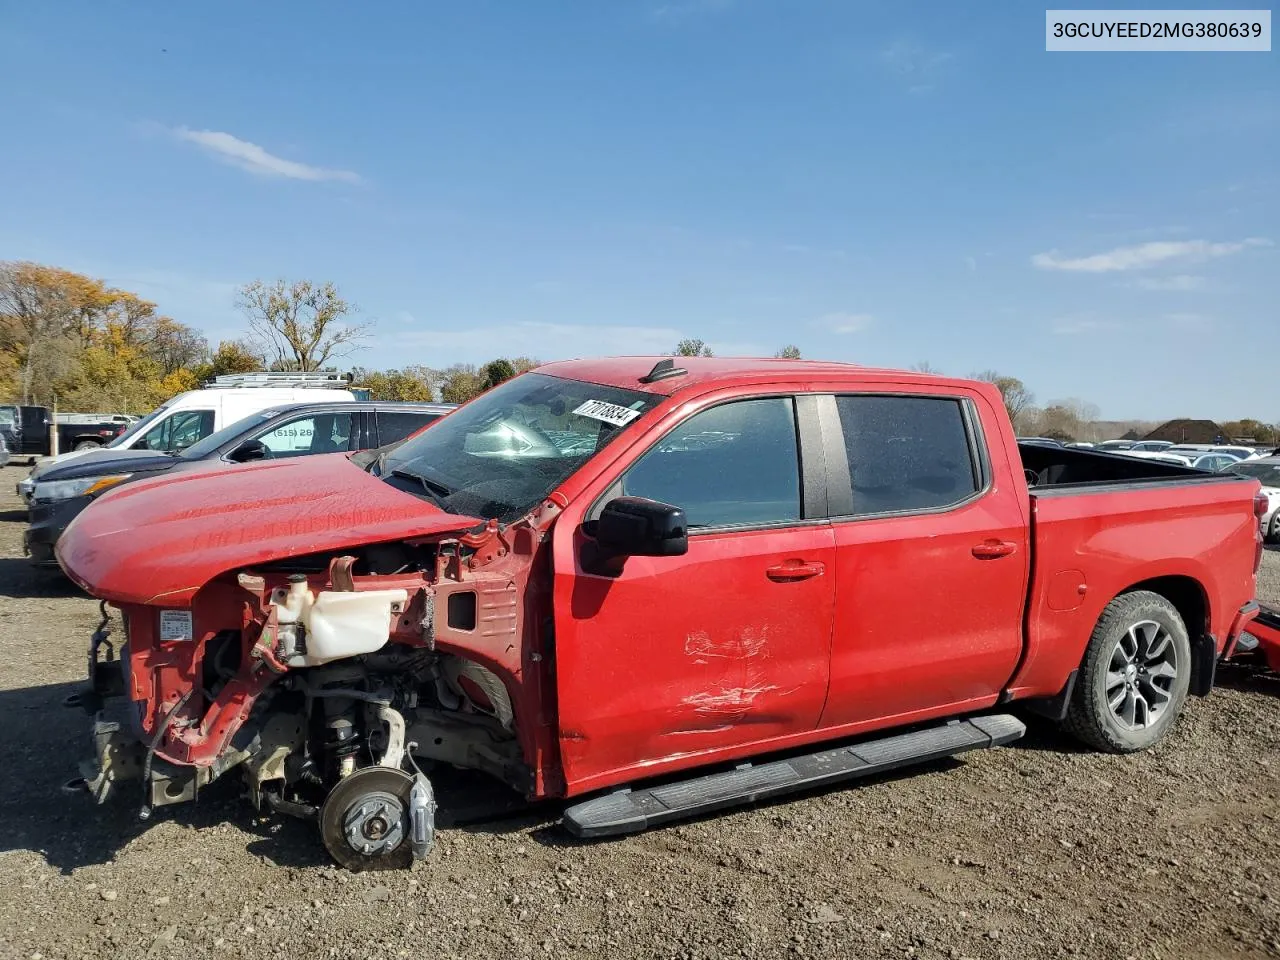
87, 445
1134, 678
1273, 532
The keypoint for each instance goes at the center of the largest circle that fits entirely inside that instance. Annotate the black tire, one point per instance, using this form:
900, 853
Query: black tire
1273, 532
1141, 620
87, 445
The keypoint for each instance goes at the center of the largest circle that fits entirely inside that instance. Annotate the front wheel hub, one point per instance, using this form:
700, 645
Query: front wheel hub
364, 822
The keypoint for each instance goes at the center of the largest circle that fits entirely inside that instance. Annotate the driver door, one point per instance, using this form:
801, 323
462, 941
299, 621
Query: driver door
726, 646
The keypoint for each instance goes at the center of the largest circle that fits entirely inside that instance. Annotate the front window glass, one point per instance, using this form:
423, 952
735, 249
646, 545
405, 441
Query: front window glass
210, 444
177, 431
732, 465
139, 426
320, 433
499, 455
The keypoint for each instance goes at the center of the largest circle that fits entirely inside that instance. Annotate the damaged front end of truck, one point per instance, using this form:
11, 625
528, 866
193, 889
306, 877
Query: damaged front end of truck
328, 627
330, 682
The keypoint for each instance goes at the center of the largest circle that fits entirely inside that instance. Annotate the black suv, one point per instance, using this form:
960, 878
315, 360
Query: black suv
289, 430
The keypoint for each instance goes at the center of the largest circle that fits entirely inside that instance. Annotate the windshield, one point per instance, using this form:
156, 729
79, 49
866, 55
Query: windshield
502, 453
1268, 473
8, 416
139, 425
210, 444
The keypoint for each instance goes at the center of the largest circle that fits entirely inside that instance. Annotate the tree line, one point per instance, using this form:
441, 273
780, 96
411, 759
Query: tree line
92, 347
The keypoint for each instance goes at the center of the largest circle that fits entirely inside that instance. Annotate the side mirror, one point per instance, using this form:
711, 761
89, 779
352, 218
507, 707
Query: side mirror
248, 451
636, 527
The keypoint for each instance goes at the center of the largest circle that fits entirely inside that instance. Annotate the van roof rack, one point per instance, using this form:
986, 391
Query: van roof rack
281, 378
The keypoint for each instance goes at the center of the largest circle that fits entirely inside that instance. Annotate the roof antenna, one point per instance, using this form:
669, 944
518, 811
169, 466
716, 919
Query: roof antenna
663, 370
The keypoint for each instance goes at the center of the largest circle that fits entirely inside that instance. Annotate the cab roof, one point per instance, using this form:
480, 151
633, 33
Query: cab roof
632, 373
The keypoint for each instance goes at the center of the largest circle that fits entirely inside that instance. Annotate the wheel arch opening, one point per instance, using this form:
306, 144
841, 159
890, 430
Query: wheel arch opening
1189, 598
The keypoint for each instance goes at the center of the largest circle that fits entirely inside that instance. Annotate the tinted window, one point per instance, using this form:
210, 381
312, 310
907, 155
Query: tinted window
906, 453
318, 433
177, 431
732, 464
393, 427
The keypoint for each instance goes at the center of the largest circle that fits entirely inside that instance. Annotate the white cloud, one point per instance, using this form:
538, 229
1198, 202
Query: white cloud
918, 67
253, 158
845, 322
1179, 283
1144, 255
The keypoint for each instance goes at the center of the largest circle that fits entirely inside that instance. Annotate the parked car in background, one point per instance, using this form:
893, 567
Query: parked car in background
28, 430
1244, 453
1151, 446
191, 416
1040, 441
1214, 462
4, 452
608, 571
1080, 445
1115, 446
291, 430
1181, 459
1267, 472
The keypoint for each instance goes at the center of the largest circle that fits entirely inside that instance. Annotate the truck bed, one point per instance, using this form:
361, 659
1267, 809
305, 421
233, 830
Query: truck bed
1103, 524
1070, 469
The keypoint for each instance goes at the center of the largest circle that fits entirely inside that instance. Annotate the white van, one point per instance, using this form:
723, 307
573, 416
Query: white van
182, 420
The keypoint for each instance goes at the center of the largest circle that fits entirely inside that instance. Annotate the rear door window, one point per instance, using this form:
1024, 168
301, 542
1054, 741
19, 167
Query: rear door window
732, 465
907, 453
394, 426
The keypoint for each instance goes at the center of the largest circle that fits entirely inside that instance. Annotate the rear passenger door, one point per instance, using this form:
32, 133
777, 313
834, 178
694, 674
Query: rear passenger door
931, 560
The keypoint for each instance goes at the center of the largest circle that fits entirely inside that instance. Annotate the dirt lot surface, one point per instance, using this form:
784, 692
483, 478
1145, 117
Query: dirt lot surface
1037, 850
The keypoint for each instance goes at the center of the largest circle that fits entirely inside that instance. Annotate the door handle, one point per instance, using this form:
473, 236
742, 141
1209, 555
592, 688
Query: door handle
994, 549
792, 570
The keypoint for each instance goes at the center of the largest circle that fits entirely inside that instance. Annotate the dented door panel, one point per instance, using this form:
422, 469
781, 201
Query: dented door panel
683, 655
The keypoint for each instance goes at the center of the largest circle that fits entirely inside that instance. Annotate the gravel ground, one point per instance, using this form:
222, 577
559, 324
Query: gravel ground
1037, 850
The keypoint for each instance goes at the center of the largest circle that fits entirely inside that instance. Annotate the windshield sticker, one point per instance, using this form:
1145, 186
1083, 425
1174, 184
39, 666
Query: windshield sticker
608, 412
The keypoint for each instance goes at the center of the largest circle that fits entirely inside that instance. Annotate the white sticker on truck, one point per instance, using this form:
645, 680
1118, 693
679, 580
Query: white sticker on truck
175, 625
608, 412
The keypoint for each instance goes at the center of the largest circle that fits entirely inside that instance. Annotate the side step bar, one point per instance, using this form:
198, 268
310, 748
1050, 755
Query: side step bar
627, 811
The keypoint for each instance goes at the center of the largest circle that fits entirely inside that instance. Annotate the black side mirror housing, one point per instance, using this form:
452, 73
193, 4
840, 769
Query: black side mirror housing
248, 451
637, 527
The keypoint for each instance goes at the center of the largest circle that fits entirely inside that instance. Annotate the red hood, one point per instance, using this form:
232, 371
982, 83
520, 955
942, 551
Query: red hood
160, 540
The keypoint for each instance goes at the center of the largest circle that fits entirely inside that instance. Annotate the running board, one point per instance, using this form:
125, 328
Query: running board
628, 811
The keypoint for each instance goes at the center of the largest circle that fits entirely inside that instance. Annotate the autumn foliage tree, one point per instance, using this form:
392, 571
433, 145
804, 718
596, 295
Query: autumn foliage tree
72, 339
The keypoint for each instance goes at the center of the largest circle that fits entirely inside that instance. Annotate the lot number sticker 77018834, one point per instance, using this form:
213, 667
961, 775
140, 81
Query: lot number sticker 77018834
608, 412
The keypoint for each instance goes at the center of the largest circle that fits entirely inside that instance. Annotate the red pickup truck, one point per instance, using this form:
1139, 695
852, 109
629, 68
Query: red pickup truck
618, 580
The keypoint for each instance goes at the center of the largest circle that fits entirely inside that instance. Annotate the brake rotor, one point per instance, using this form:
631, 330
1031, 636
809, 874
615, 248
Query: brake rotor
364, 822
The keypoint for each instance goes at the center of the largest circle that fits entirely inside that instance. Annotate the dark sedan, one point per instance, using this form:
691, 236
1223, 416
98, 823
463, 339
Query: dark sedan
292, 430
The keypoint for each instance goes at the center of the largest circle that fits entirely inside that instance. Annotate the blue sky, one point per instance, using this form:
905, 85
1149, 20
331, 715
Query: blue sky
883, 183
